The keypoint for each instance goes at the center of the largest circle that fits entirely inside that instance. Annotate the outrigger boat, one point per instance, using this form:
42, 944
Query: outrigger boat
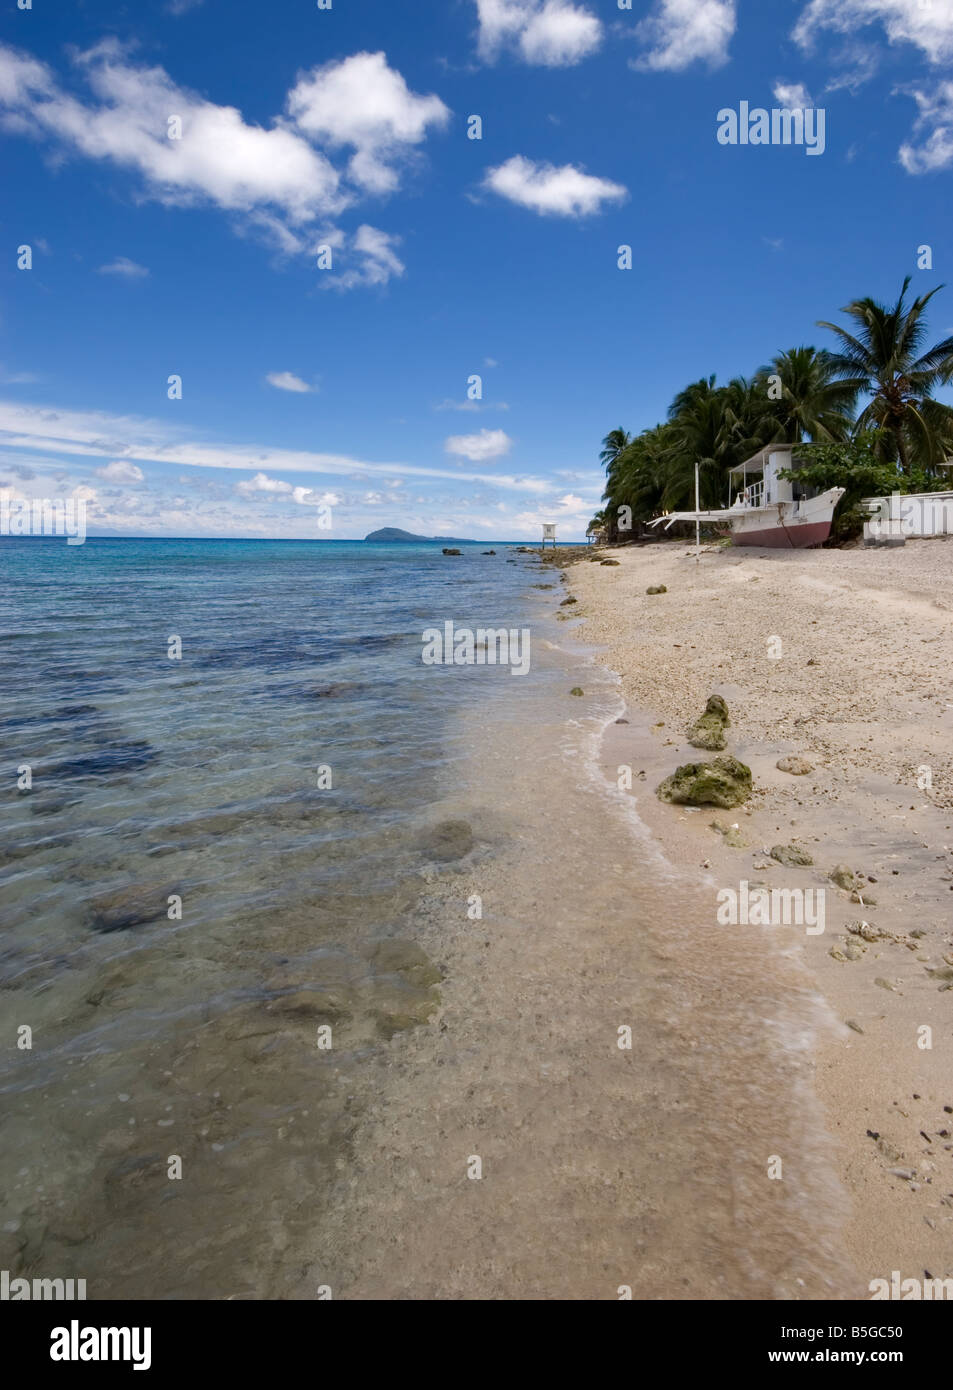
769, 510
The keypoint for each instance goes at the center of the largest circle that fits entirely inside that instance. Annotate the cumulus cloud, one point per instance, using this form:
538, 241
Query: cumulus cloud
287, 381
927, 25
124, 267
680, 32
377, 261
792, 95
120, 471
271, 178
545, 33
310, 497
935, 150
558, 192
362, 103
488, 444
219, 159
262, 483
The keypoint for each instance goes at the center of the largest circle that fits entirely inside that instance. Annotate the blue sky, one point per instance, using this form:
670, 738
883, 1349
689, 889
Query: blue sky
342, 391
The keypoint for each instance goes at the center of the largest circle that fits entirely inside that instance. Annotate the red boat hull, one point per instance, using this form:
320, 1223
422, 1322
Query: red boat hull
793, 537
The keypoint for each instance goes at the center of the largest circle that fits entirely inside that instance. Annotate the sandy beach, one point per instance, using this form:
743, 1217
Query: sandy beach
842, 658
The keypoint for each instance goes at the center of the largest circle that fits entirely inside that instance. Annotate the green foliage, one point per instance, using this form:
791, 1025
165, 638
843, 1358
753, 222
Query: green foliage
858, 466
896, 443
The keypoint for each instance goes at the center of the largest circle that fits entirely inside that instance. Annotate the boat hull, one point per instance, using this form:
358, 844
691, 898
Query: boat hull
787, 525
795, 536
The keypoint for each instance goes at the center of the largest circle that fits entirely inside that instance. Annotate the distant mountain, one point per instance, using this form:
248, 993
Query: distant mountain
394, 533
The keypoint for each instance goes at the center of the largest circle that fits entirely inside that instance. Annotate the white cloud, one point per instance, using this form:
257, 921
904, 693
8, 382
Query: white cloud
488, 444
546, 33
93, 434
378, 261
271, 178
120, 471
936, 115
219, 159
792, 95
682, 32
309, 497
262, 483
560, 192
926, 23
128, 269
362, 103
287, 381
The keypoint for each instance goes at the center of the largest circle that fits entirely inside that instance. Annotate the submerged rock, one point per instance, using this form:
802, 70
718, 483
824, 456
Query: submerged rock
731, 834
795, 764
488, 552
451, 839
791, 855
406, 958
130, 907
723, 782
708, 731
448, 550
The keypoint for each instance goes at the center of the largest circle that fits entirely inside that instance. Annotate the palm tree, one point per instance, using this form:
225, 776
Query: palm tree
806, 398
613, 445
883, 357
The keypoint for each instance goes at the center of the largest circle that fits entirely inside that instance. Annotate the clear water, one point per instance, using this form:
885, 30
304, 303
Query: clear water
177, 1131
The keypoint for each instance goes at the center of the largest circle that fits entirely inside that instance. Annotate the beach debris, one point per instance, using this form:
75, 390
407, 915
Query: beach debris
731, 834
847, 948
567, 601
656, 589
130, 907
885, 984
609, 562
868, 931
451, 839
852, 1023
907, 1174
448, 550
708, 731
795, 764
791, 855
723, 782
843, 877
577, 690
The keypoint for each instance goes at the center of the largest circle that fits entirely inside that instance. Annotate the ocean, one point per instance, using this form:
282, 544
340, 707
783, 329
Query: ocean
284, 923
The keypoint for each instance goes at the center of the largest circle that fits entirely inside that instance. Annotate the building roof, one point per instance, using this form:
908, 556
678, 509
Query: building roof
757, 461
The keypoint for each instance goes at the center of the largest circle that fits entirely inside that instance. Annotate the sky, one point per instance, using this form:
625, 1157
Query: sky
261, 279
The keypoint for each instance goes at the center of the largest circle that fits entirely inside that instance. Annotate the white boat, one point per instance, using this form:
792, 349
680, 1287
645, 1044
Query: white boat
769, 510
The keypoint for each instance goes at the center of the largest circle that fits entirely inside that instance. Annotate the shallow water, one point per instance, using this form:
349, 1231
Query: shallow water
306, 906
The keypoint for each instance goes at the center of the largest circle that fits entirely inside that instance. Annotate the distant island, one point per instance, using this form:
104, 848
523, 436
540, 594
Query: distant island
394, 533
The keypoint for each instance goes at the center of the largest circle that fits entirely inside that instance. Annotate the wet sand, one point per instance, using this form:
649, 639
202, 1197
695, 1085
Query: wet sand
602, 1169
861, 690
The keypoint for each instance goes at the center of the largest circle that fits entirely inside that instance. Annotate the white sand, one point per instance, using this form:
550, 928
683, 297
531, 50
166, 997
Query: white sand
861, 689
